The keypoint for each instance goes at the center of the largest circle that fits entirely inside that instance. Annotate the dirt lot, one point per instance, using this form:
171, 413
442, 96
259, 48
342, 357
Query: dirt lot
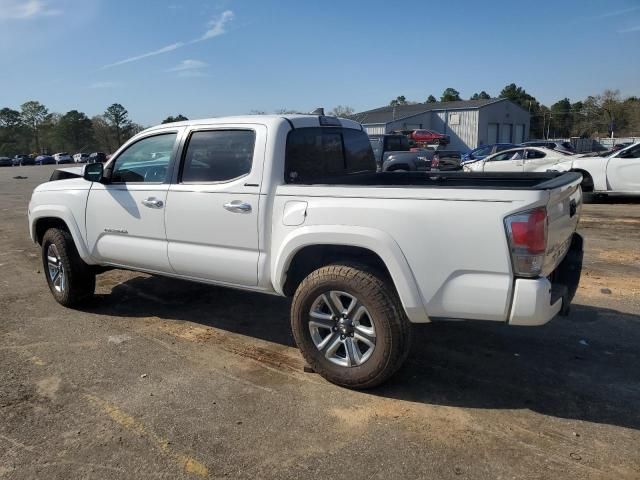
163, 379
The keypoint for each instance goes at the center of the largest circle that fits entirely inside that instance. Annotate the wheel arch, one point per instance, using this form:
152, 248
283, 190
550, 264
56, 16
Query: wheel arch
585, 175
308, 248
399, 166
41, 219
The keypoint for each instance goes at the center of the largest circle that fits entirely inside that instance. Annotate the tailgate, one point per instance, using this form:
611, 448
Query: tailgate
563, 213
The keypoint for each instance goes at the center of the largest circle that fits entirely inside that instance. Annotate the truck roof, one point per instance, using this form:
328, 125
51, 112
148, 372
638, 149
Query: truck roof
294, 120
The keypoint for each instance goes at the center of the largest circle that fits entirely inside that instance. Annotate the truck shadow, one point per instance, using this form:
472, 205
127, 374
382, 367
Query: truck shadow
583, 367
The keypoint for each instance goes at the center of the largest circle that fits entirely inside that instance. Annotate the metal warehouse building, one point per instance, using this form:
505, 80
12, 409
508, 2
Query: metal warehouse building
469, 123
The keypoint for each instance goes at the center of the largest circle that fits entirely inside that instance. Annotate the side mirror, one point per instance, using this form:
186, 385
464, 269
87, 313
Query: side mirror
93, 172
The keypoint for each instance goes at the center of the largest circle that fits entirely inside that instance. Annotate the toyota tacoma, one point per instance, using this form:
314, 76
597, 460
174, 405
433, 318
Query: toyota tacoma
293, 205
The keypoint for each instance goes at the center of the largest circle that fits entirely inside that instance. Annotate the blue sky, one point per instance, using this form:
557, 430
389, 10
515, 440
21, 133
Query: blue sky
221, 57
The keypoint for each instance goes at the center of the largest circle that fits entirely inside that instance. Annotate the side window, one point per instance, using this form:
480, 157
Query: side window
357, 151
512, 155
315, 153
482, 151
533, 154
218, 155
631, 153
146, 161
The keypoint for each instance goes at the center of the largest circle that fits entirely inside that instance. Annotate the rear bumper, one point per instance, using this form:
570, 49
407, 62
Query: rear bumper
536, 301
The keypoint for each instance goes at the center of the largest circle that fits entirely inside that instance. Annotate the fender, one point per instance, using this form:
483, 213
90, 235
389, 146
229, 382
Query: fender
63, 213
597, 170
379, 242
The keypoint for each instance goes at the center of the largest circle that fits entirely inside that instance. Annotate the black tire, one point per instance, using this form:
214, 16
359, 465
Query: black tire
587, 182
391, 326
78, 279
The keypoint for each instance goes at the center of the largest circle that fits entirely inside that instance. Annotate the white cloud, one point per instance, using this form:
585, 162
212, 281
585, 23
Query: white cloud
105, 85
25, 9
188, 65
192, 74
630, 29
615, 13
160, 51
216, 28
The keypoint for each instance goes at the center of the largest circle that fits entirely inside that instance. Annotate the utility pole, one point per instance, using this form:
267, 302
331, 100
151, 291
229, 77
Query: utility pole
549, 126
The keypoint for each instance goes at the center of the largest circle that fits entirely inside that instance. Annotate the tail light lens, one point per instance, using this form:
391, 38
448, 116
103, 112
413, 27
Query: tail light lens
435, 162
527, 234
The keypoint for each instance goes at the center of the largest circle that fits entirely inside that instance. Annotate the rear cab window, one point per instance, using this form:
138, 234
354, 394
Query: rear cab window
317, 153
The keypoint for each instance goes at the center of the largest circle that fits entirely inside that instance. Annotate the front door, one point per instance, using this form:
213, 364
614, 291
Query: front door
213, 207
125, 216
508, 161
623, 171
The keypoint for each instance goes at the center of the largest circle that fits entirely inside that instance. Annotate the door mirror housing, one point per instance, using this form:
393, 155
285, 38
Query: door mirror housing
93, 172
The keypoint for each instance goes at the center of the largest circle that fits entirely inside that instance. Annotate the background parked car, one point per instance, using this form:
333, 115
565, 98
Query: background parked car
552, 144
606, 153
81, 157
619, 172
45, 160
6, 162
484, 151
520, 159
429, 137
97, 157
62, 157
23, 159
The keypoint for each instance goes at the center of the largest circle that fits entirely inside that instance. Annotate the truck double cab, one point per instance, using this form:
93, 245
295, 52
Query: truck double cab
293, 206
393, 153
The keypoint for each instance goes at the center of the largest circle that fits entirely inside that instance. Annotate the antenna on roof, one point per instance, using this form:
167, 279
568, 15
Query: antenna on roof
318, 111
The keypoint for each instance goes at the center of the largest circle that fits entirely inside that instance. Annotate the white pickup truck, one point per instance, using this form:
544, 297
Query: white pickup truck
292, 205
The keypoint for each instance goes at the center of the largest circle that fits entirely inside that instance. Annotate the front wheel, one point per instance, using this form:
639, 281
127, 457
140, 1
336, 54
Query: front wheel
350, 326
70, 280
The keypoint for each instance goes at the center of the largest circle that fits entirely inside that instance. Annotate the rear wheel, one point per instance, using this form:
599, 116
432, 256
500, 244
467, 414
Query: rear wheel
70, 280
350, 326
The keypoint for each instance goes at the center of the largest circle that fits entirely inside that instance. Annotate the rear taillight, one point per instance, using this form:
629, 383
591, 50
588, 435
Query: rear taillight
527, 233
435, 162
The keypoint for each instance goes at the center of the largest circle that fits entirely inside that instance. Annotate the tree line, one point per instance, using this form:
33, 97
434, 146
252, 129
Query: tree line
596, 116
33, 129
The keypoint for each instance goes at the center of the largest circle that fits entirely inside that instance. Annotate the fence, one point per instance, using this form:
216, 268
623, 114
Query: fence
599, 144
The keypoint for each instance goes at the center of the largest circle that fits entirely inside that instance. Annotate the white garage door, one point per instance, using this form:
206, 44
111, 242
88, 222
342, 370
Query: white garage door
505, 133
518, 133
492, 133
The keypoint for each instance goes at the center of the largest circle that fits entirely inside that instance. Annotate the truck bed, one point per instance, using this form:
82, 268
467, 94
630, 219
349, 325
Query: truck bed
458, 180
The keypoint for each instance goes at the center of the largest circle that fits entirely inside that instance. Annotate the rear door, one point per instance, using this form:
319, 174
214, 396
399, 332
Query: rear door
509, 161
212, 208
535, 160
125, 218
623, 171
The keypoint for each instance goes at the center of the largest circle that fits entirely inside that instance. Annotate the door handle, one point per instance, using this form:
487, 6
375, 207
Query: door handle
152, 202
237, 206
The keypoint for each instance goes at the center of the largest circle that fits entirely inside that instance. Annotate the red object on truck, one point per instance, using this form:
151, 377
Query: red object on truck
429, 137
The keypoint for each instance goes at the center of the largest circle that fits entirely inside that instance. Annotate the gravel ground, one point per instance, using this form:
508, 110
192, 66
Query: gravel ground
159, 378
